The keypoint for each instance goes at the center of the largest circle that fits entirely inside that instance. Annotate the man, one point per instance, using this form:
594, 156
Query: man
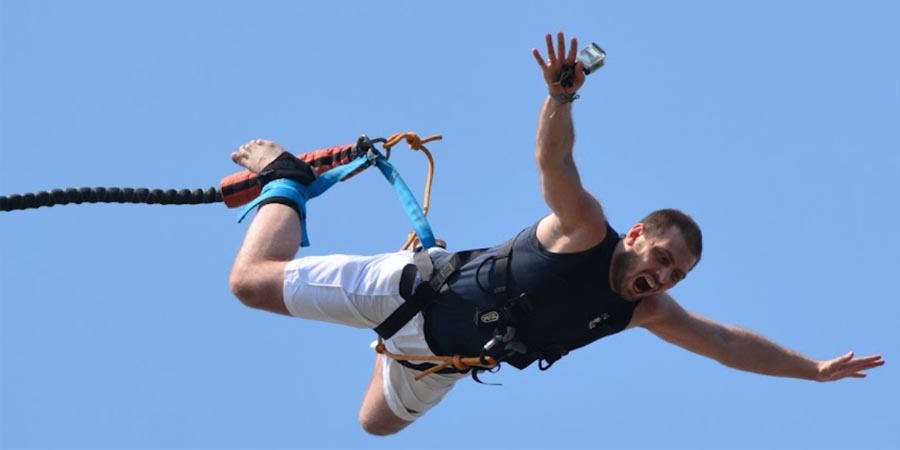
570, 263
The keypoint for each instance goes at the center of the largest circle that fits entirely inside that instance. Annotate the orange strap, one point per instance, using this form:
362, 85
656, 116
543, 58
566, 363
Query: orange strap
459, 362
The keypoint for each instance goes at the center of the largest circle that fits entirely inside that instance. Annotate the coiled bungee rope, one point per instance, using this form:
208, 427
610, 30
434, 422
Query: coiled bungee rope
109, 195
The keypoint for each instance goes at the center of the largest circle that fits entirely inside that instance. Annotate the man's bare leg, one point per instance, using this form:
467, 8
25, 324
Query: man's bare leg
257, 276
273, 238
375, 416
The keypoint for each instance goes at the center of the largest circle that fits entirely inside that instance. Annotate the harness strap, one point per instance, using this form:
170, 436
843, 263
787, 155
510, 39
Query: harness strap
501, 268
437, 364
407, 200
414, 302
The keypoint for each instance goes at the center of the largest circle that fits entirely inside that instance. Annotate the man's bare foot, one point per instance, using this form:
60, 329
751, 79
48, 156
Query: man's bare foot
257, 154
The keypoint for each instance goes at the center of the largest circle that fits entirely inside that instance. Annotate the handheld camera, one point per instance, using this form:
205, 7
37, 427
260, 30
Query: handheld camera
591, 56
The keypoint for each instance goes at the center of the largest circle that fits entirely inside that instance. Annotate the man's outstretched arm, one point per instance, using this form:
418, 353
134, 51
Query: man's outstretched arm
577, 219
739, 348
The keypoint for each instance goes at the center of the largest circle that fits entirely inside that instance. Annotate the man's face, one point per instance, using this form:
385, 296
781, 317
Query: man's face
648, 264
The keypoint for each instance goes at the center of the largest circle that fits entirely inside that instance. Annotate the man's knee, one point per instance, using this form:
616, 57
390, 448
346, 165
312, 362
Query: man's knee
258, 287
381, 426
243, 287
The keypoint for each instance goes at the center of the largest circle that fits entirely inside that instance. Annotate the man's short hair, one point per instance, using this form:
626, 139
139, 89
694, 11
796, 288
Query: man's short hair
661, 220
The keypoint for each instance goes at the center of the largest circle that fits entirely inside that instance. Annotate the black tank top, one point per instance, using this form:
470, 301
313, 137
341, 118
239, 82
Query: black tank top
575, 304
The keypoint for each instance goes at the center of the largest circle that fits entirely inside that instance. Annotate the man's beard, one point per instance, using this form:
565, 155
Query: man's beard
622, 263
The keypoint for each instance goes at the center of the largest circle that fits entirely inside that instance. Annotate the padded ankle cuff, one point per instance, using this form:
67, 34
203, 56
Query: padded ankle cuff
287, 166
284, 191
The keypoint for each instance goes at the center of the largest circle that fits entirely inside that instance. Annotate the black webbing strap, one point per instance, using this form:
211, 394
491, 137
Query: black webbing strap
500, 269
417, 297
411, 305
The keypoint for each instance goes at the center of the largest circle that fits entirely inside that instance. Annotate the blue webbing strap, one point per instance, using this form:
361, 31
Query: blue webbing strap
299, 194
408, 201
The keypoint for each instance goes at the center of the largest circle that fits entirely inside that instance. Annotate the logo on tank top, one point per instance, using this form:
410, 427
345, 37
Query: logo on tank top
490, 317
596, 321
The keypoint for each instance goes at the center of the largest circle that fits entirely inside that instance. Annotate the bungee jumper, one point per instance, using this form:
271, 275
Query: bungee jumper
561, 283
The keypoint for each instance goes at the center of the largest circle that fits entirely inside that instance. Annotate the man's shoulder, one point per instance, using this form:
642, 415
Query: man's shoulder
559, 239
654, 309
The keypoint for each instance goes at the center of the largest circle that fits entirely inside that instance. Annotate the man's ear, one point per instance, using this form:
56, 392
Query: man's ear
635, 232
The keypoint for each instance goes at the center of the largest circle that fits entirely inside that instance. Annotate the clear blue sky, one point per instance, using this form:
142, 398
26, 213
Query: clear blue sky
773, 123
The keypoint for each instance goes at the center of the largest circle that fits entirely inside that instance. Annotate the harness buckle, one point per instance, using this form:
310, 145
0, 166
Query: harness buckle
498, 339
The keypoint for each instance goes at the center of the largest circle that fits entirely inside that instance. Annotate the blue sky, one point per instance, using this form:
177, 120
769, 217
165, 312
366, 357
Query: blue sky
773, 123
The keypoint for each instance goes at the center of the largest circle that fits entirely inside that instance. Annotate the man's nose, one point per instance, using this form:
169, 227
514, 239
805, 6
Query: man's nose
665, 277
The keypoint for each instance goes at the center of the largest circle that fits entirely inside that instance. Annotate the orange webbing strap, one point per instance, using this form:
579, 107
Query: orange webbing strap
440, 362
416, 143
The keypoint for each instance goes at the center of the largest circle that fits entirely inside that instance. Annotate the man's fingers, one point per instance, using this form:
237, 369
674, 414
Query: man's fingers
551, 54
561, 45
871, 358
573, 49
864, 363
855, 368
539, 58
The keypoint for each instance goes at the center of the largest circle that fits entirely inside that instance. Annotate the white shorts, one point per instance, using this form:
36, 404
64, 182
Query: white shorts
362, 291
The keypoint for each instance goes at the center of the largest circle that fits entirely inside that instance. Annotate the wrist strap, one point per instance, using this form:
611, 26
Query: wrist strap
565, 97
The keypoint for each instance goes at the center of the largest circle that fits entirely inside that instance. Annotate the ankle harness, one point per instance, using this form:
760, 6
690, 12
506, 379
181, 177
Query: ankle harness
293, 182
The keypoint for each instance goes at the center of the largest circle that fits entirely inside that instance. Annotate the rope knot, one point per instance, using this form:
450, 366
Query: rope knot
412, 139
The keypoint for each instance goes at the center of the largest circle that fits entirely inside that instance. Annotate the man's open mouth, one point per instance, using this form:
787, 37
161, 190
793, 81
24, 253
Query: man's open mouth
644, 284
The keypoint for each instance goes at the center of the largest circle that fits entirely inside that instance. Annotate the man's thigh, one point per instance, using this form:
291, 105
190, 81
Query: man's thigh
359, 291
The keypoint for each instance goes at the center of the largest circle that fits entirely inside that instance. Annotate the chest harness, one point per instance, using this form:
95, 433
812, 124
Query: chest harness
561, 307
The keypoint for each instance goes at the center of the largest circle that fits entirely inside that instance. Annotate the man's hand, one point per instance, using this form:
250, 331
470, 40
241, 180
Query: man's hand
558, 59
847, 366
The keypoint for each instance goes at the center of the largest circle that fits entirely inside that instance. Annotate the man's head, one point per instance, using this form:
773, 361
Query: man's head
656, 254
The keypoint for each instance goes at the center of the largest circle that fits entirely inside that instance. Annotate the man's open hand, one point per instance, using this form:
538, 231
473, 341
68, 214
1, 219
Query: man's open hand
557, 59
847, 366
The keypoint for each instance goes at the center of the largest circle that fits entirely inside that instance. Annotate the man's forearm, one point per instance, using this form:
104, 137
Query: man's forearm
754, 353
555, 133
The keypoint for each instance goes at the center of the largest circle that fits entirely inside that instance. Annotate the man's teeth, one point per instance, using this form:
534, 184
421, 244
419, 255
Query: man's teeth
646, 283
